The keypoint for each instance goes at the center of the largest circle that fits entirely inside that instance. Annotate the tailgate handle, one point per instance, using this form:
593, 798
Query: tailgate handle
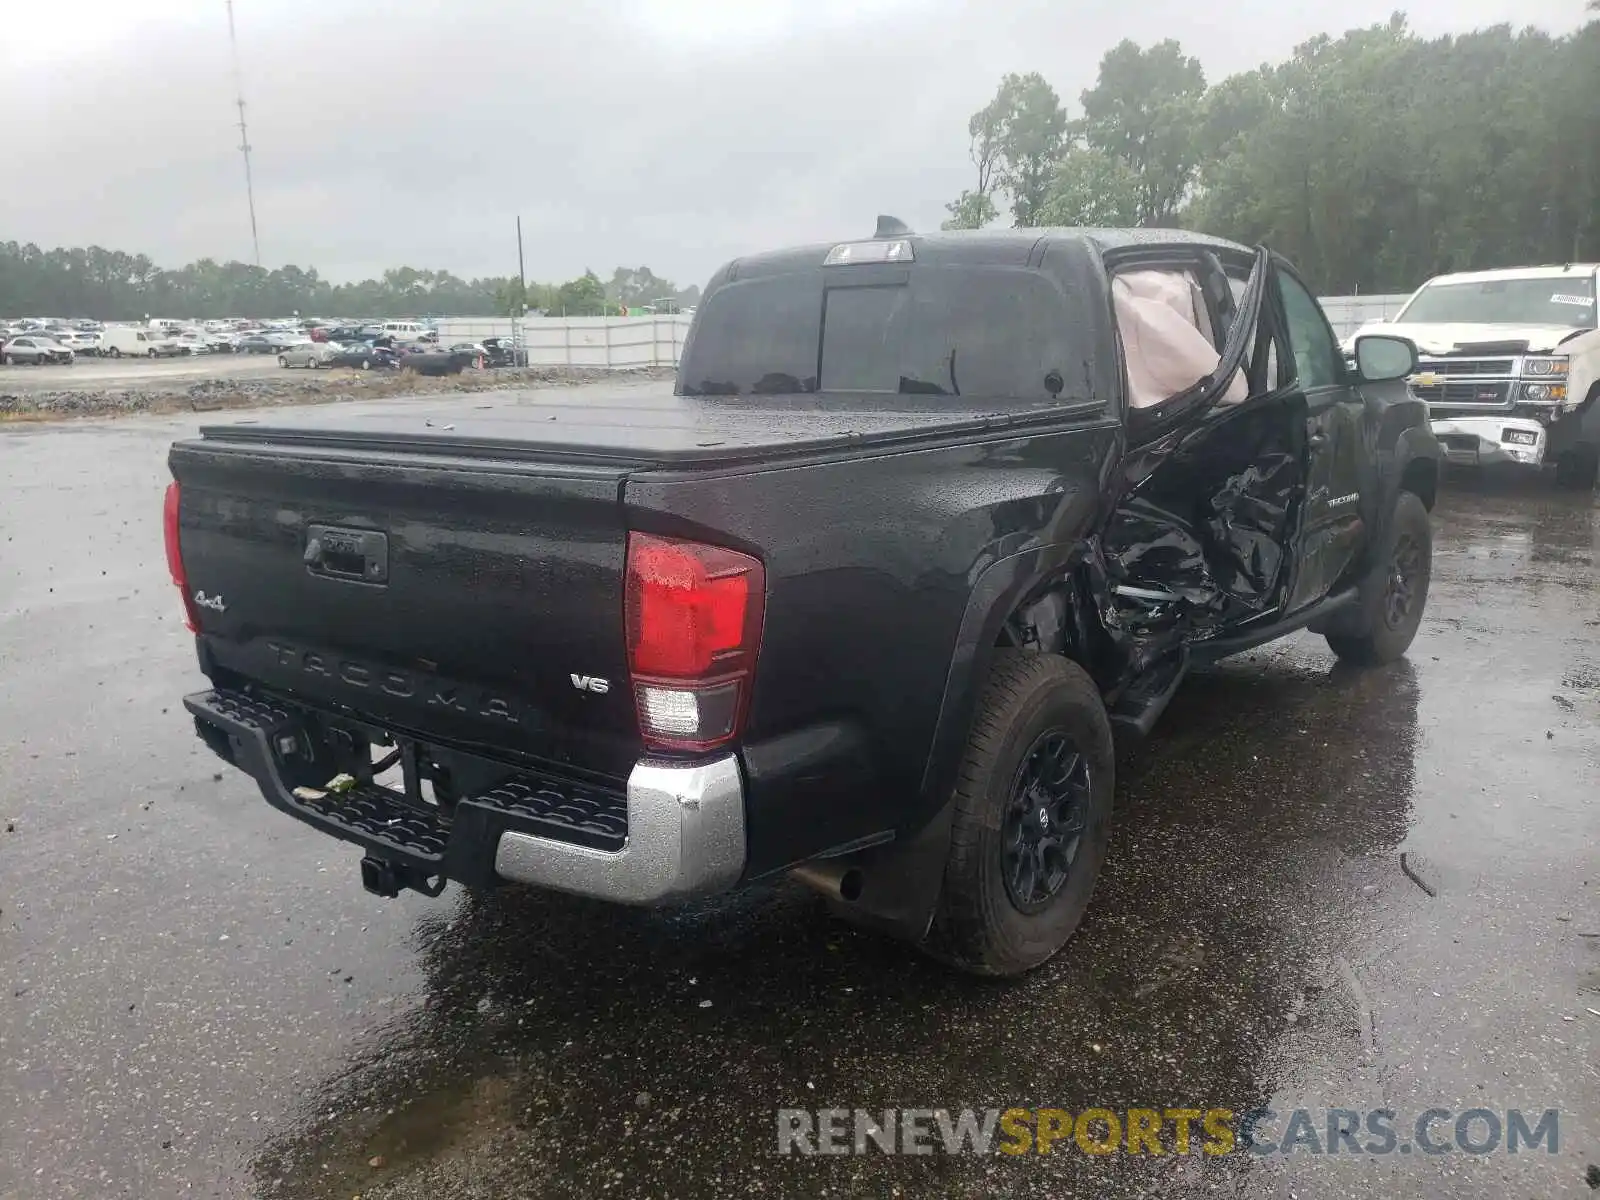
356, 555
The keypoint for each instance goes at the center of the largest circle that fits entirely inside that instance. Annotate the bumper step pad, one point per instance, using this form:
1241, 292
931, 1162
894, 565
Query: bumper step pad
459, 844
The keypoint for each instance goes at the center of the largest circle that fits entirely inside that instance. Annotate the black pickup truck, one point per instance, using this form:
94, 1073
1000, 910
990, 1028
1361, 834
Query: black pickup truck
862, 600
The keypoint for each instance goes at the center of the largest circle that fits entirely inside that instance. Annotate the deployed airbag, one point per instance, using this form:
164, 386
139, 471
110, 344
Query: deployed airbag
1166, 337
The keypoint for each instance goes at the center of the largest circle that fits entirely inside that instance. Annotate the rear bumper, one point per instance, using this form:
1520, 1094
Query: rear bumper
685, 838
677, 833
1475, 441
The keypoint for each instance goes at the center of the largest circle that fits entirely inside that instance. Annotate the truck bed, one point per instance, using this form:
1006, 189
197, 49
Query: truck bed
638, 426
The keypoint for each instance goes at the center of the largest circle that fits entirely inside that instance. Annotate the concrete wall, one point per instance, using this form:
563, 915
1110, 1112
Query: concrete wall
623, 342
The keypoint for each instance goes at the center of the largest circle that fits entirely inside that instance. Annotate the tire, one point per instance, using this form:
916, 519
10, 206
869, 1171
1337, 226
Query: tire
1578, 468
1394, 595
11, 360
114, 352
154, 355
1038, 713
283, 361
366, 364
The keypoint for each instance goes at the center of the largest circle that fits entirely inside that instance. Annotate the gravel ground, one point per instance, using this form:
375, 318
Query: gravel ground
174, 392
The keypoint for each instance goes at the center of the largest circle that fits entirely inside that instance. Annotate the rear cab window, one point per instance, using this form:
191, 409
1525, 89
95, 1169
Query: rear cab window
996, 332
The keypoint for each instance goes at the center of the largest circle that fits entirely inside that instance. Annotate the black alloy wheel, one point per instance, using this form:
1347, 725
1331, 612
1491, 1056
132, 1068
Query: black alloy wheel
1405, 570
1045, 820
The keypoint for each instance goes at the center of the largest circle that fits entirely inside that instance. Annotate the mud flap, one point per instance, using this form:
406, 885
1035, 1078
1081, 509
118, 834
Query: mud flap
893, 888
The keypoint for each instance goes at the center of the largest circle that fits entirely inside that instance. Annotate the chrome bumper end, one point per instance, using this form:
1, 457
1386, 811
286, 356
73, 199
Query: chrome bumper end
686, 838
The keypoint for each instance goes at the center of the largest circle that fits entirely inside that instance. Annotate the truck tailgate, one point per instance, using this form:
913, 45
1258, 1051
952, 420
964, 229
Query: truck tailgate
465, 599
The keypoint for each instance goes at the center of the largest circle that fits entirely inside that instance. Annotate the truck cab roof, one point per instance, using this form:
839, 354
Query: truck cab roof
995, 247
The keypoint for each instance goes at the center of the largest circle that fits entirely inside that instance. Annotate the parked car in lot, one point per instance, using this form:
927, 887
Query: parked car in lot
81, 342
255, 343
429, 360
925, 519
491, 352
308, 354
119, 341
408, 331
167, 343
194, 343
364, 356
501, 353
282, 338
1510, 366
35, 350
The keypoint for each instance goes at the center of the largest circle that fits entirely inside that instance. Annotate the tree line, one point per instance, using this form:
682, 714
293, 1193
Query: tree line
1372, 160
111, 285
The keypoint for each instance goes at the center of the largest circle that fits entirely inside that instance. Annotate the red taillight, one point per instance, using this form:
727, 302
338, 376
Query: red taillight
169, 524
694, 626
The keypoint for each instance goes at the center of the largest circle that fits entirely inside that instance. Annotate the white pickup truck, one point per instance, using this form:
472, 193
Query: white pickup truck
1510, 365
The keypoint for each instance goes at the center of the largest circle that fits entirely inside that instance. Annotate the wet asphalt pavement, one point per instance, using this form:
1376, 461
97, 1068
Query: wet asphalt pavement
196, 997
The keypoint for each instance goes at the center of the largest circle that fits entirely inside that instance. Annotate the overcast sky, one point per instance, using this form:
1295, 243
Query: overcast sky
669, 133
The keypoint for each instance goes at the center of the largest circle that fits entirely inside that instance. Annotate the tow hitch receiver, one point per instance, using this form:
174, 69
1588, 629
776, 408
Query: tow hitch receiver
382, 877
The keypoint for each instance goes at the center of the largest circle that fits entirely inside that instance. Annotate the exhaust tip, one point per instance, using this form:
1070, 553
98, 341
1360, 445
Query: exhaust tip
834, 881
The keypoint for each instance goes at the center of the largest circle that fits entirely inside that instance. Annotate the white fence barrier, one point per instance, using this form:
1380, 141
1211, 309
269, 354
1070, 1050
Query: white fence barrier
616, 343
1349, 313
620, 343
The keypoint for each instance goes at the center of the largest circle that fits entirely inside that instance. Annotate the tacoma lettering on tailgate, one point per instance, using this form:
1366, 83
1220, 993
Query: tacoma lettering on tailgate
404, 685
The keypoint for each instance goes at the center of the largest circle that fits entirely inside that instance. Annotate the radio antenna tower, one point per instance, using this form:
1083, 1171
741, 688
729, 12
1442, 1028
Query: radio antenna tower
244, 134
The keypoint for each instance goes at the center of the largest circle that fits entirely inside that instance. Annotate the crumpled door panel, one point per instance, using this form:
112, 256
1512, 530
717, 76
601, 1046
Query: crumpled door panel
1204, 541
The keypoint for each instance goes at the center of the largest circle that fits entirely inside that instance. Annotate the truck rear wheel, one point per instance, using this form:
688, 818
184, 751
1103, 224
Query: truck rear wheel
1032, 817
1395, 593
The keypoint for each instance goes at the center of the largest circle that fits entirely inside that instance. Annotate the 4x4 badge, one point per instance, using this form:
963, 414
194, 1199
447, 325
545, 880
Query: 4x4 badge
214, 603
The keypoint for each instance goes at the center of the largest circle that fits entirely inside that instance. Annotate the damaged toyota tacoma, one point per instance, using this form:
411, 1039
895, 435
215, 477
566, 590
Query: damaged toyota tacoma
862, 600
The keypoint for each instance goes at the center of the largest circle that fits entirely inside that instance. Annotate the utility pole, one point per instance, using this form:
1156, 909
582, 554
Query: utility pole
522, 278
244, 135
521, 315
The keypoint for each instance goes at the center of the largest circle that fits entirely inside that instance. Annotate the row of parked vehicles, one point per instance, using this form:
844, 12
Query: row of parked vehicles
383, 353
43, 344
370, 346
